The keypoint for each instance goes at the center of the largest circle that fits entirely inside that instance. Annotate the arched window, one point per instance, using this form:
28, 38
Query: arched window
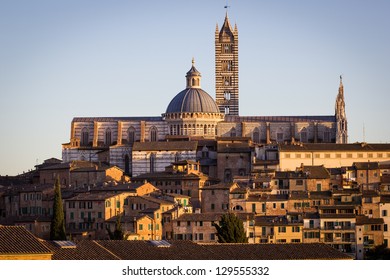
233, 132
108, 137
152, 163
303, 135
256, 135
84, 137
227, 110
153, 134
205, 130
238, 208
131, 135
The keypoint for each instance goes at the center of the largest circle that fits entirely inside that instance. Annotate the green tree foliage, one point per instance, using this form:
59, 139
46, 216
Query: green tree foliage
118, 233
231, 229
380, 252
57, 227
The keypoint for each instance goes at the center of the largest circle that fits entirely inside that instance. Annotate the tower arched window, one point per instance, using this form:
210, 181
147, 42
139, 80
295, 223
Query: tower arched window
256, 135
227, 110
153, 134
108, 137
226, 95
303, 135
131, 135
84, 137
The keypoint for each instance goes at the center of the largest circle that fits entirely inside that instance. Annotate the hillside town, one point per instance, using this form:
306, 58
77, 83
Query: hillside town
300, 189
344, 207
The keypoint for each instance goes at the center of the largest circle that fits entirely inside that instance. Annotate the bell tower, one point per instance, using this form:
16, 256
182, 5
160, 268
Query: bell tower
226, 68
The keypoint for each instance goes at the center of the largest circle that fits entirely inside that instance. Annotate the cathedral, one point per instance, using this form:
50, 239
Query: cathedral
192, 119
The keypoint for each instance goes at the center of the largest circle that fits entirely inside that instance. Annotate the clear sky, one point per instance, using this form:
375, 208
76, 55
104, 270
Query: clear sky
73, 58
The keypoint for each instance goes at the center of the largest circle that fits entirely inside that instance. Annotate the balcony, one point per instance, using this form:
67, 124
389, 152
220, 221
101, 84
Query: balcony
339, 240
89, 220
332, 228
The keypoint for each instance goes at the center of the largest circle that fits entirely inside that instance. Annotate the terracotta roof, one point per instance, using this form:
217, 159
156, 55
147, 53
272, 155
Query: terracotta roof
366, 165
166, 146
17, 240
187, 250
200, 217
365, 220
85, 250
316, 172
297, 251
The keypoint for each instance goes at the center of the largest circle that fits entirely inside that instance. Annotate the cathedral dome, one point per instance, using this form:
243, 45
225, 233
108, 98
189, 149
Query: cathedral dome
192, 100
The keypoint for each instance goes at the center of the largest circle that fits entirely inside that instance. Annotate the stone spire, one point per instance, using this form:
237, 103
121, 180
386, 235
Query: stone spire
341, 118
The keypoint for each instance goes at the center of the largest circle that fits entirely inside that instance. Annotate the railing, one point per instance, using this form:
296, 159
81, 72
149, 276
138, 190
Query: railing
338, 228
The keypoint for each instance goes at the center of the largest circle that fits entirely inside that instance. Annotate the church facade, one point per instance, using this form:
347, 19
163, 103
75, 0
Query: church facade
140, 144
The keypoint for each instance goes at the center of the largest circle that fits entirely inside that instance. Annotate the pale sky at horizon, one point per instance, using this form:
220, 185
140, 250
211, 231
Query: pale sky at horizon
65, 59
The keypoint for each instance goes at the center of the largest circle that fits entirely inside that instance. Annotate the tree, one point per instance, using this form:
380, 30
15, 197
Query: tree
231, 229
380, 252
57, 227
118, 233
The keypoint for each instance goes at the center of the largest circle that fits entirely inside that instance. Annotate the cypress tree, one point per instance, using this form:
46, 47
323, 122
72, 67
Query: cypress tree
231, 229
118, 233
57, 226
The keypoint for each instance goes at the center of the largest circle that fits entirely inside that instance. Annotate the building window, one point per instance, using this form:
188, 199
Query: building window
212, 206
153, 134
228, 176
127, 165
227, 110
281, 229
108, 137
226, 95
256, 135
384, 213
385, 227
131, 135
152, 163
296, 229
84, 137
279, 137
327, 136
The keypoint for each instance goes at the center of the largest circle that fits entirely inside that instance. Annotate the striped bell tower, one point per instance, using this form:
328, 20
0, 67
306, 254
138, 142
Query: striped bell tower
226, 68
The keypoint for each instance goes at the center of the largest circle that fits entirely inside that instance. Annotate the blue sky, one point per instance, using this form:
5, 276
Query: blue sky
61, 59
